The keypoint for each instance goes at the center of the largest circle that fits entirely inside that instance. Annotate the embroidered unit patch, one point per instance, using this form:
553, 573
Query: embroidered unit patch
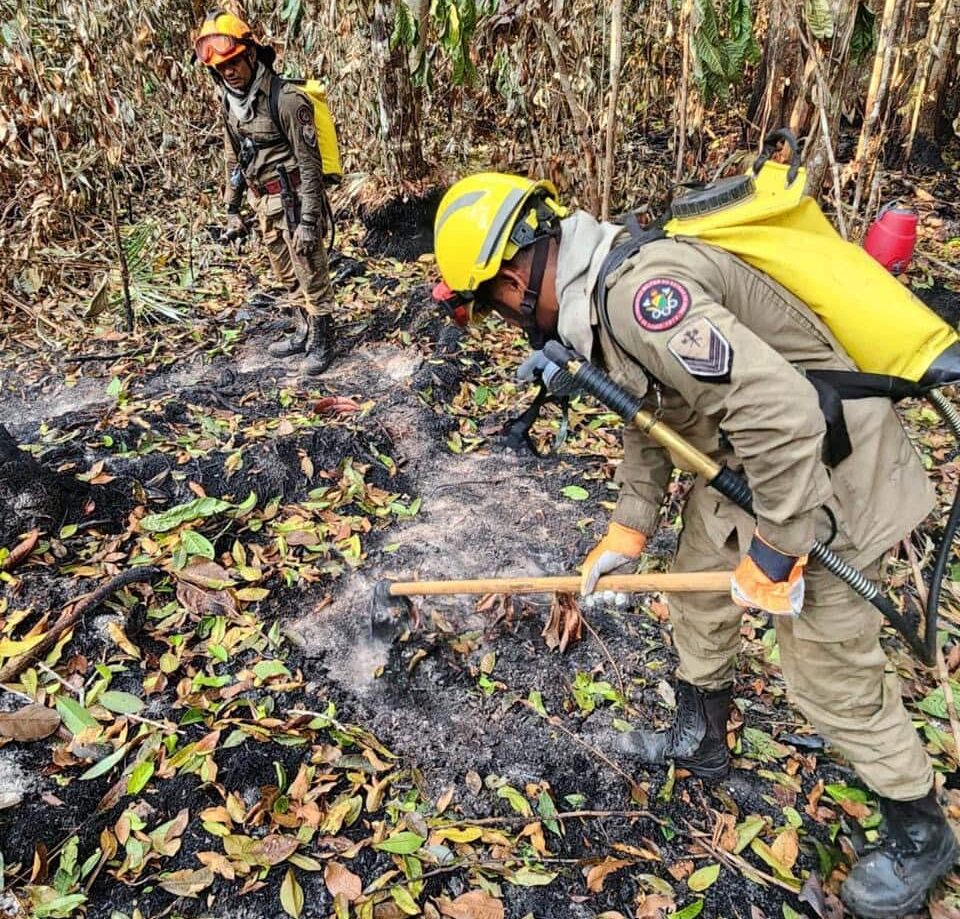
660, 304
305, 114
702, 351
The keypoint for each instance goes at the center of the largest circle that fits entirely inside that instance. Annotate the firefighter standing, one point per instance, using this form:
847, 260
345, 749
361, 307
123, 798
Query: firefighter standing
280, 167
722, 344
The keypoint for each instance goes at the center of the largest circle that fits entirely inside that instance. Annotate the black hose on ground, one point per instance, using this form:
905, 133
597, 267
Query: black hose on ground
949, 414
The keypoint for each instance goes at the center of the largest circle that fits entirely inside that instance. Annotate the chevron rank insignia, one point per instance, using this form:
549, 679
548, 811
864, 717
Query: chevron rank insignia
702, 351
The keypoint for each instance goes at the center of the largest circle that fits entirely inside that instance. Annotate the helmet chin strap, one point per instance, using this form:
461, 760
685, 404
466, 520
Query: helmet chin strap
528, 305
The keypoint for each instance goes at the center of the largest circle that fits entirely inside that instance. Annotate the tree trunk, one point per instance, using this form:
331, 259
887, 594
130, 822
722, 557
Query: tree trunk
936, 66
825, 80
779, 75
420, 11
871, 137
397, 101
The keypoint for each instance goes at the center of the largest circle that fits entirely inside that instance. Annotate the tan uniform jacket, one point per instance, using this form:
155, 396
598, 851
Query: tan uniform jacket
300, 150
728, 346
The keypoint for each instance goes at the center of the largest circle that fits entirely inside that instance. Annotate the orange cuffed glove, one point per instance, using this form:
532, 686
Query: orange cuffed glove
769, 579
619, 545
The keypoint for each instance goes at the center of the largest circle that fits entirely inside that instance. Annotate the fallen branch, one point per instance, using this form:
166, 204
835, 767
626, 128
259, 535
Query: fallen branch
74, 611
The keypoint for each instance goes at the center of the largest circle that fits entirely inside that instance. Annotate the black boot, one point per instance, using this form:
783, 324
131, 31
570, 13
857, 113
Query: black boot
918, 848
319, 346
295, 342
697, 739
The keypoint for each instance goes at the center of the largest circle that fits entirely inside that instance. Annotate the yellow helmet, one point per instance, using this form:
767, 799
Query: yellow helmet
221, 37
485, 219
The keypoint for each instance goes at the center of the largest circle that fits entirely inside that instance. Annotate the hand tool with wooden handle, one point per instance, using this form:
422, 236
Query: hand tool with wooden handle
629, 407
389, 603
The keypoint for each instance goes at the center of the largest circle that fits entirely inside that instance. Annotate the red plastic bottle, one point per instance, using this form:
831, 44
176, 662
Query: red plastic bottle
892, 236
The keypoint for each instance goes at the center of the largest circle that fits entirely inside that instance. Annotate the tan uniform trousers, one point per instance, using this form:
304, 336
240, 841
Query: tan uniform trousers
835, 669
306, 276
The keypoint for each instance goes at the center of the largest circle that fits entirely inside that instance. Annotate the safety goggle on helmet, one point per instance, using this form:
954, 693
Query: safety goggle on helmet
221, 37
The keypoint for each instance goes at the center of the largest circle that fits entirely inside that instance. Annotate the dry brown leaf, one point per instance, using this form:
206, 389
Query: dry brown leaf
786, 847
273, 849
443, 802
218, 863
205, 574
728, 833
187, 883
30, 723
342, 880
599, 873
681, 870
336, 405
21, 551
474, 904
654, 906
565, 624
855, 809
205, 602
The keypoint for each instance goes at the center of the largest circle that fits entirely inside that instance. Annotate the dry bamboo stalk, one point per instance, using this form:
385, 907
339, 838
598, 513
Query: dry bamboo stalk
616, 57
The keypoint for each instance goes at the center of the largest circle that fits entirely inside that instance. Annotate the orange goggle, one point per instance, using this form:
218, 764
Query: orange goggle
209, 46
460, 306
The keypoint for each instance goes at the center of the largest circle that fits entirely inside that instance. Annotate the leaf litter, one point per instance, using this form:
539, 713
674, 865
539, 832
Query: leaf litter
225, 735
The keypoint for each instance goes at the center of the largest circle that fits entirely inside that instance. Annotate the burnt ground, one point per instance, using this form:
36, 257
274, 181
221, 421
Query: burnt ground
455, 696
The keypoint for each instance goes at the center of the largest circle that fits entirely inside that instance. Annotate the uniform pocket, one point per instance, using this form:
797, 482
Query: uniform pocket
719, 517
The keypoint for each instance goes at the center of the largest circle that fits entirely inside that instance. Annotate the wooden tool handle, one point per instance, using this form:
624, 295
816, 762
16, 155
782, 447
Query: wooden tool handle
674, 582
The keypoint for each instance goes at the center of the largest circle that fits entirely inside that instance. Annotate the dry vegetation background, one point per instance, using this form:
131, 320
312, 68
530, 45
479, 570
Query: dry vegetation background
106, 119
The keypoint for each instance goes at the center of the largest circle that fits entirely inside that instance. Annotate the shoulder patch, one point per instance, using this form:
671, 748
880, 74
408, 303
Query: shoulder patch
660, 304
702, 351
305, 115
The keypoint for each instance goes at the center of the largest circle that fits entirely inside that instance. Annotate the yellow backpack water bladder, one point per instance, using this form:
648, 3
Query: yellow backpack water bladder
900, 345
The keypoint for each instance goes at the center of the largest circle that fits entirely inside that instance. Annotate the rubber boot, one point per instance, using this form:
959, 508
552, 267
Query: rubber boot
697, 739
319, 345
295, 342
918, 848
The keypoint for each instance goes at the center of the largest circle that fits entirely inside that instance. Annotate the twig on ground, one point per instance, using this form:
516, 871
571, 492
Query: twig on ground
16, 665
737, 862
555, 722
610, 657
563, 815
943, 266
117, 355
